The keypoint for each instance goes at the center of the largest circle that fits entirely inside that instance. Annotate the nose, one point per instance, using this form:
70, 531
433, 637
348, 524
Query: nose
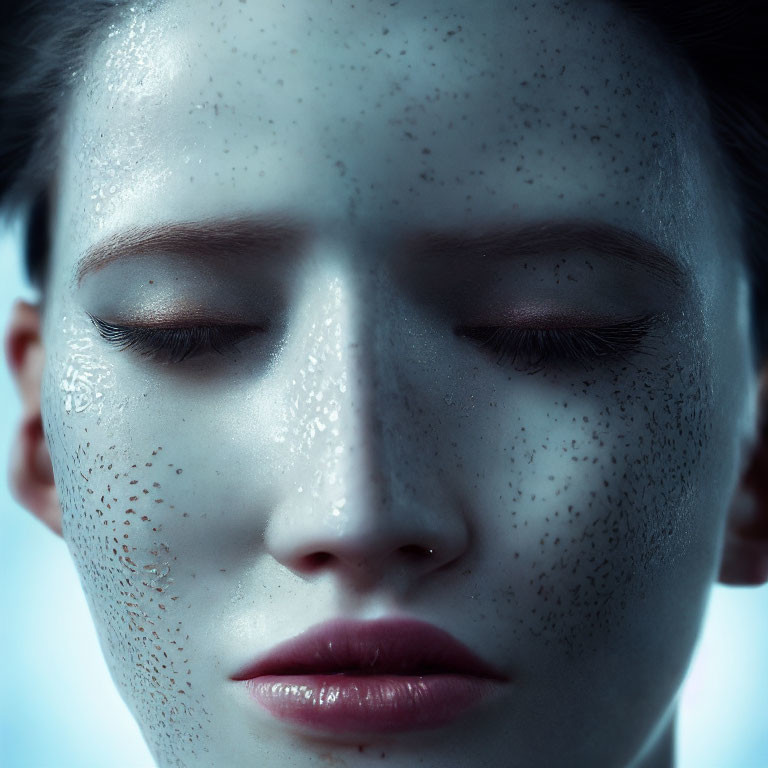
359, 500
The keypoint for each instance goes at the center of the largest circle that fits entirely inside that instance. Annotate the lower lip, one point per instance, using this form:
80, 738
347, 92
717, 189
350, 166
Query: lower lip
345, 703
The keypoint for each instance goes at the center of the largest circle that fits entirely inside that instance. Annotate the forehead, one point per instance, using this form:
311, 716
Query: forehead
381, 115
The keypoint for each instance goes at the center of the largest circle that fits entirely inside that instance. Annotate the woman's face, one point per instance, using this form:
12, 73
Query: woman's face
448, 277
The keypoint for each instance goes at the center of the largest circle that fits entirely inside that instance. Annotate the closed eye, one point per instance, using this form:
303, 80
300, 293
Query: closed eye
173, 345
537, 348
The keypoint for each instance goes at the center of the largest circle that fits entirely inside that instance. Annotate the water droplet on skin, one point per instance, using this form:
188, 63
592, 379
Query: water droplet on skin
158, 574
84, 380
238, 593
79, 386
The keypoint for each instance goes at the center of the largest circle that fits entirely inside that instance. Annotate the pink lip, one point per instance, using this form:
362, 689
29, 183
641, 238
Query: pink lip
379, 676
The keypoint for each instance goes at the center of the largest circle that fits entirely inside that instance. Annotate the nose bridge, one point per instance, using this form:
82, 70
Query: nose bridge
331, 427
362, 421
342, 370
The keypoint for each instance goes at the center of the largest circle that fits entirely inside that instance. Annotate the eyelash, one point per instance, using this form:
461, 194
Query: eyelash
173, 345
537, 348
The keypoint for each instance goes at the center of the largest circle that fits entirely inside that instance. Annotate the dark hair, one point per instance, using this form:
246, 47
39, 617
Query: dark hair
44, 44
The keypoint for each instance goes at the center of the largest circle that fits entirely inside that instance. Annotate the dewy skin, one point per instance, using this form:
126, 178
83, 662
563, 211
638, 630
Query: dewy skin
355, 408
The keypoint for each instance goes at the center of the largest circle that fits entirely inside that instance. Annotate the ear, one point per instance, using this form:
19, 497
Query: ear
31, 473
745, 549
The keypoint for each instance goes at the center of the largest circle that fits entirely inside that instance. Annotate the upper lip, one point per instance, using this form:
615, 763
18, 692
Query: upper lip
383, 646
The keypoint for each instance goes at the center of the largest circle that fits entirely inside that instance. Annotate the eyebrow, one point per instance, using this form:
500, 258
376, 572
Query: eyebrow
208, 240
267, 235
554, 237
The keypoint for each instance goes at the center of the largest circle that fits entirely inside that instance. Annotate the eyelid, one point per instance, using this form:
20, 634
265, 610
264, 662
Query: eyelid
174, 343
567, 344
577, 323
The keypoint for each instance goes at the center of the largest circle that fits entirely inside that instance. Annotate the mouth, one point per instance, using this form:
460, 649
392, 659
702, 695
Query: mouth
370, 677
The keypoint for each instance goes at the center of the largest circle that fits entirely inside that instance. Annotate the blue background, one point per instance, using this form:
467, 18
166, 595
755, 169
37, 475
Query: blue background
60, 708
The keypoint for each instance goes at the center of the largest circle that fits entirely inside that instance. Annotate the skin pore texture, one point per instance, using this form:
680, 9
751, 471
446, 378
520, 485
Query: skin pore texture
220, 504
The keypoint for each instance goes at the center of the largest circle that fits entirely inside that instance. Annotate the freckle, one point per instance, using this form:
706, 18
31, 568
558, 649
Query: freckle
179, 471
144, 518
158, 501
133, 498
148, 464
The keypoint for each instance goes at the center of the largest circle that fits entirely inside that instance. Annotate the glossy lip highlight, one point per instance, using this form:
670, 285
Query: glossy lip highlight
380, 676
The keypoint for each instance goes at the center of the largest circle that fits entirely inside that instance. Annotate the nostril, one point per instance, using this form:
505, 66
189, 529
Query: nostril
414, 550
317, 560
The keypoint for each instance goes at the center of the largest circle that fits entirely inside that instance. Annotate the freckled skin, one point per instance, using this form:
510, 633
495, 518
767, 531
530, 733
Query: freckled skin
220, 505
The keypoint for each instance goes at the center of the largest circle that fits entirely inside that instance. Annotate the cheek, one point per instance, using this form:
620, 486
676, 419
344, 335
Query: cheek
601, 499
122, 503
